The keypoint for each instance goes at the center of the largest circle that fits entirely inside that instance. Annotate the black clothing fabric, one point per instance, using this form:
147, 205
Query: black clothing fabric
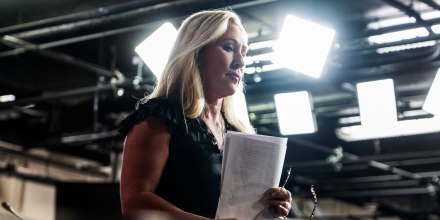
191, 178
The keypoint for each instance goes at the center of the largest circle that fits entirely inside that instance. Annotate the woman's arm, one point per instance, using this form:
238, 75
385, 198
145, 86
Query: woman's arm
144, 158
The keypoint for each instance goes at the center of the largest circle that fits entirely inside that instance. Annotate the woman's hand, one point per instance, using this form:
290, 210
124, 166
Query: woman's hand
278, 200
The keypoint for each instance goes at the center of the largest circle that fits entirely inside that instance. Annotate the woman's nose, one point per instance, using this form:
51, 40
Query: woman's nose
238, 61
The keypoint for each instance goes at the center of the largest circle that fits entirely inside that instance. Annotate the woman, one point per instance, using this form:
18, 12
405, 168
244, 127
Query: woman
173, 149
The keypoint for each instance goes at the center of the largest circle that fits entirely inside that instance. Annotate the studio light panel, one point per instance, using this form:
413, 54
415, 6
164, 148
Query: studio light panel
377, 102
303, 46
294, 111
432, 100
155, 49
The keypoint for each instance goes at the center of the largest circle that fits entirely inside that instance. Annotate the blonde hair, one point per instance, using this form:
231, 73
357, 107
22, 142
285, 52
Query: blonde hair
182, 78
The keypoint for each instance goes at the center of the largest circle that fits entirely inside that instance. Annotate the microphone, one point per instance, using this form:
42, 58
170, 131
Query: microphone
9, 208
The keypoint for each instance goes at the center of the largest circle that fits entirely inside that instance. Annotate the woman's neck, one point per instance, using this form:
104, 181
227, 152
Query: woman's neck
213, 109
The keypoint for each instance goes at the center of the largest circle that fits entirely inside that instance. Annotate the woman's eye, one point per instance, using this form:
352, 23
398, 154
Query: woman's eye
228, 48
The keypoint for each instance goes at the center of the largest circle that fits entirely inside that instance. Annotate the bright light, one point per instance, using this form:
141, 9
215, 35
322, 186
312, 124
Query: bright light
303, 46
294, 111
405, 47
397, 129
249, 70
120, 92
261, 44
270, 67
240, 106
432, 101
398, 35
377, 102
391, 22
155, 50
402, 20
436, 28
7, 98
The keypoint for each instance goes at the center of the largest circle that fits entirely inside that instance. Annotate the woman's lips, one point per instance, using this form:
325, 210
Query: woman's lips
235, 76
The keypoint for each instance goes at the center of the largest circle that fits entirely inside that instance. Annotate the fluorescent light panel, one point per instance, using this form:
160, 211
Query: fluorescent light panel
7, 98
397, 129
155, 50
432, 100
377, 102
294, 111
379, 115
403, 34
405, 47
398, 36
303, 46
391, 22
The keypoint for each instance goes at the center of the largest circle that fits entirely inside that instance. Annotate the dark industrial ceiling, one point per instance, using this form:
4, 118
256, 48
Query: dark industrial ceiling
65, 62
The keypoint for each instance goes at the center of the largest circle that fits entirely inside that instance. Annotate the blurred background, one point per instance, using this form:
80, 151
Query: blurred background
69, 74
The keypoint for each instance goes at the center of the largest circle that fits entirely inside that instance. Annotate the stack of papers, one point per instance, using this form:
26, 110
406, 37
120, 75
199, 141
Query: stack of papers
251, 164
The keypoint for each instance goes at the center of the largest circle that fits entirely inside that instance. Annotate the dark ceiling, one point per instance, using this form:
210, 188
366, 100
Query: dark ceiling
65, 62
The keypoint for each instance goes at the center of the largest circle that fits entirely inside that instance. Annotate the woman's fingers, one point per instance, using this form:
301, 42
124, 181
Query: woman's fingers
282, 204
279, 194
283, 210
278, 200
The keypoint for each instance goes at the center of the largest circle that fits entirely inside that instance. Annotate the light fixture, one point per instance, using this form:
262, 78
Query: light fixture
379, 116
155, 50
377, 102
398, 36
7, 98
303, 46
397, 129
294, 111
432, 100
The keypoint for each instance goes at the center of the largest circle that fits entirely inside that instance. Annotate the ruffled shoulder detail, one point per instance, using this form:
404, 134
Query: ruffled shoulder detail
161, 107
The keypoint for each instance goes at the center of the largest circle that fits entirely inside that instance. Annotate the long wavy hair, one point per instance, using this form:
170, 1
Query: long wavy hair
182, 76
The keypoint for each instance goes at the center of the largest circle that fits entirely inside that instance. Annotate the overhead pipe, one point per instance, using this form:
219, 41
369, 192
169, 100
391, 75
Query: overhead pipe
21, 152
98, 21
85, 15
100, 12
192, 5
401, 157
399, 27
373, 47
71, 27
352, 157
410, 12
67, 93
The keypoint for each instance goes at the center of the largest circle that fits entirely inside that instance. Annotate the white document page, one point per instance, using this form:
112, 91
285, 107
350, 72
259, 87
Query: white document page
251, 165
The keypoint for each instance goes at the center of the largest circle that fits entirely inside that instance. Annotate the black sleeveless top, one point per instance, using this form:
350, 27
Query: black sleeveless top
191, 178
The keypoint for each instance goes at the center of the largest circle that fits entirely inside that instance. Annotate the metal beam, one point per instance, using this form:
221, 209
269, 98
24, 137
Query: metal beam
395, 156
410, 12
378, 193
368, 185
68, 59
398, 27
127, 15
372, 163
66, 93
74, 26
379, 178
19, 151
84, 15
